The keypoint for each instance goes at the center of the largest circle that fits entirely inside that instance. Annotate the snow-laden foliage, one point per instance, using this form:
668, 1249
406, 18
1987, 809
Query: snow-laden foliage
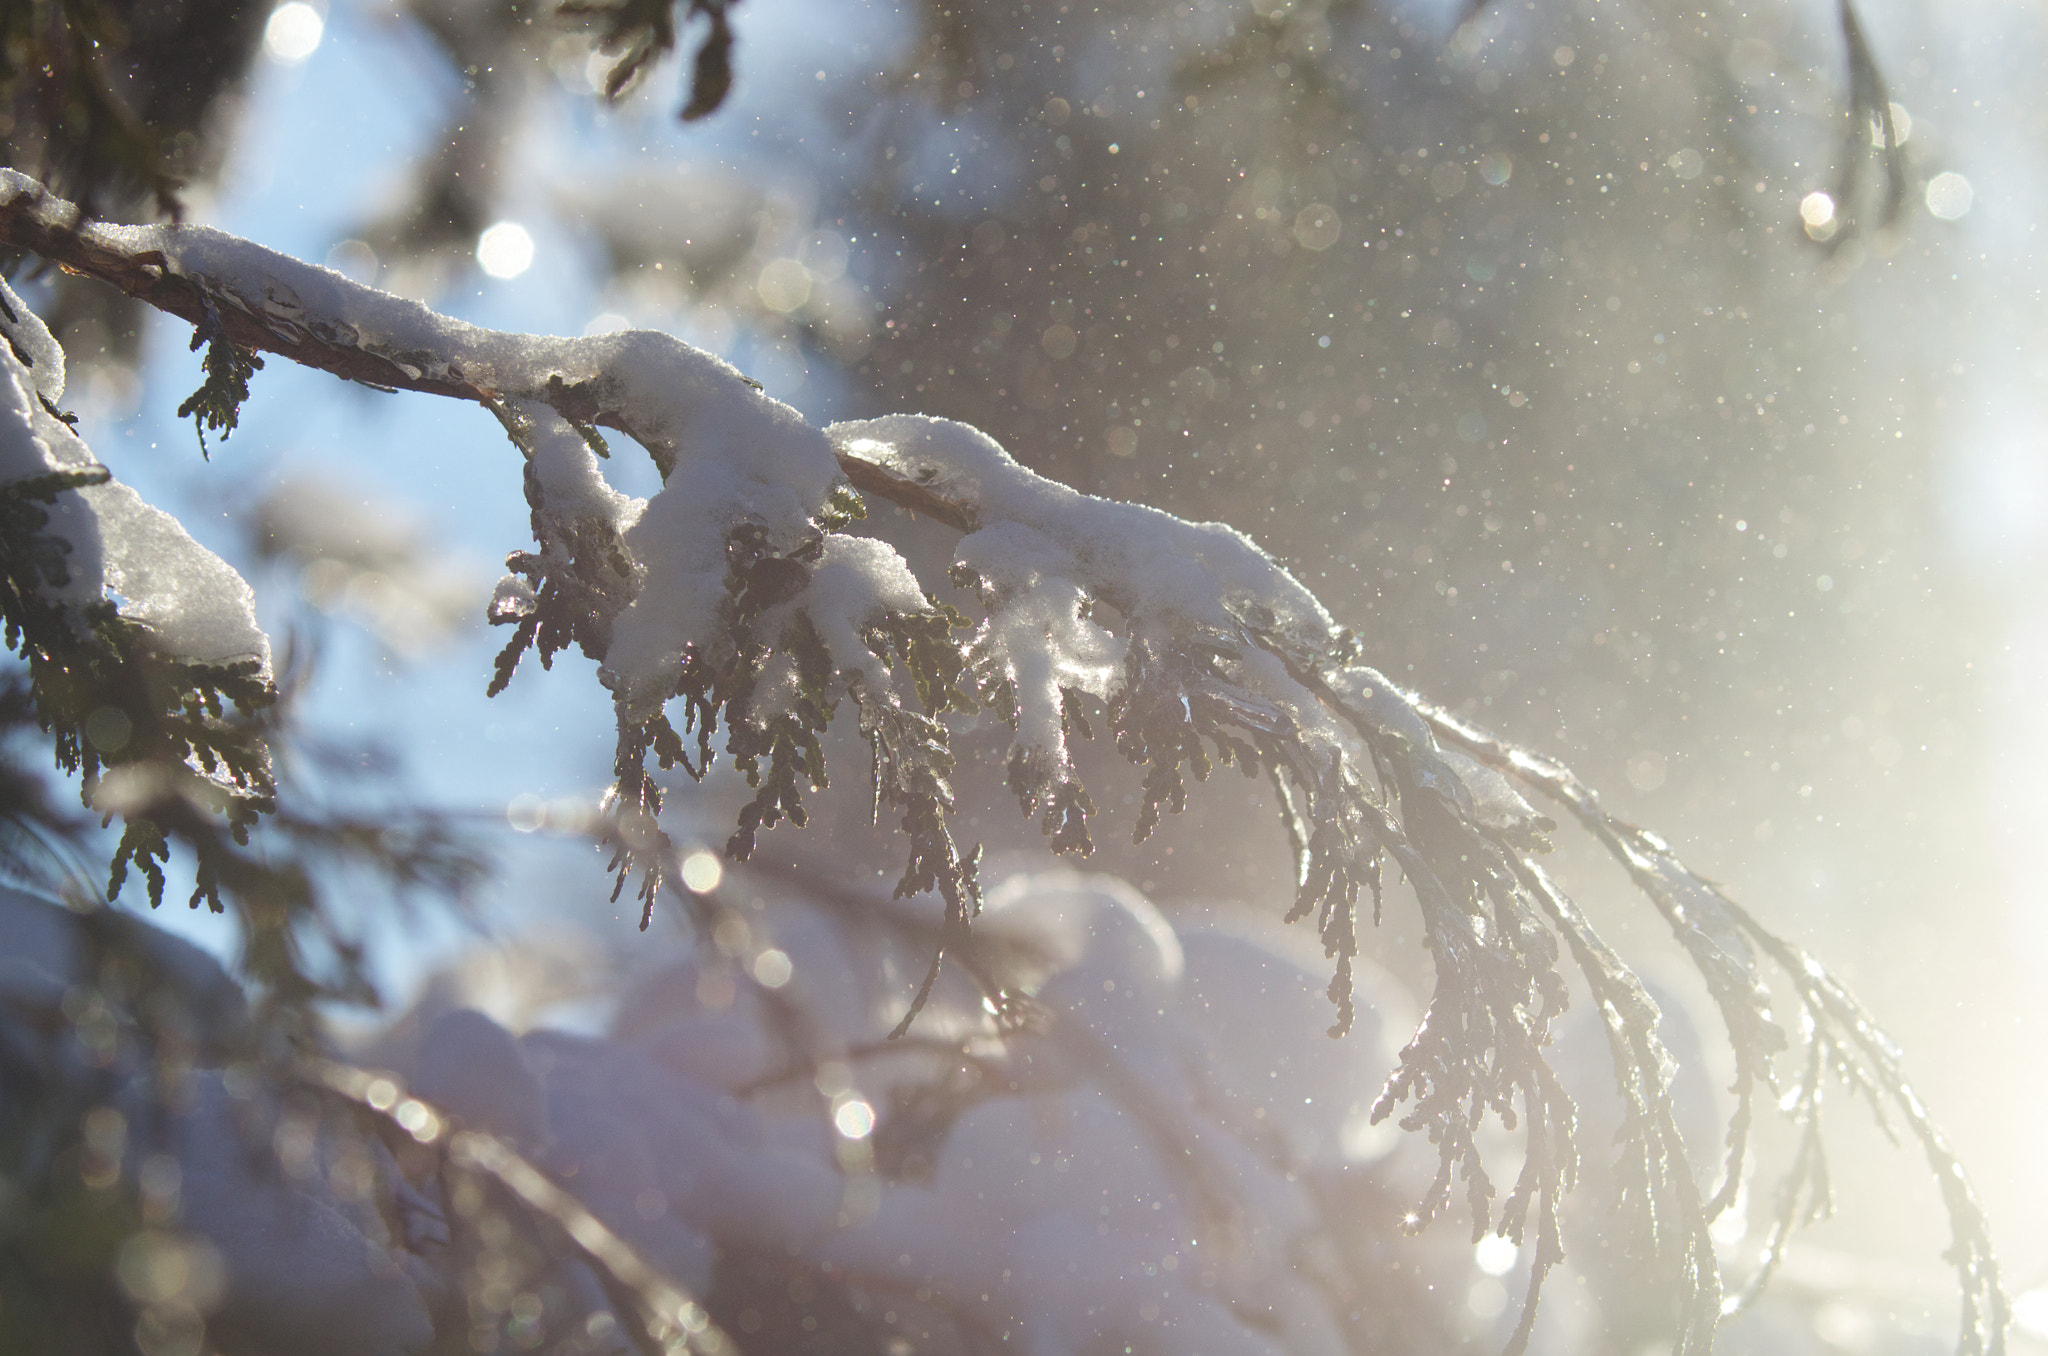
736, 597
144, 655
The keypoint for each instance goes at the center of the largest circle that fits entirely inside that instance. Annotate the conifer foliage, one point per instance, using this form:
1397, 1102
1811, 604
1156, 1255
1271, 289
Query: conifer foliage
742, 601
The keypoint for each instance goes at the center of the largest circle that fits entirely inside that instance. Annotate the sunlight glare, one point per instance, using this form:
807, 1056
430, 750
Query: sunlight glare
293, 32
505, 250
702, 871
855, 1119
1495, 1255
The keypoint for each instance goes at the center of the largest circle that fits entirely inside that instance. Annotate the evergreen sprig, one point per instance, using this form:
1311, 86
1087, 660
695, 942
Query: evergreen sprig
116, 706
578, 579
227, 366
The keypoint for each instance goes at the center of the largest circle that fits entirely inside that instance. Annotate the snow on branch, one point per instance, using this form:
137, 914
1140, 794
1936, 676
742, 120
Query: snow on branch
734, 594
144, 657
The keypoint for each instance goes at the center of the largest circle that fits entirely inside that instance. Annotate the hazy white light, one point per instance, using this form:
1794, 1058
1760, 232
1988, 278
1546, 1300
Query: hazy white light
1363, 1141
784, 285
855, 1118
772, 969
354, 260
832, 1078
418, 1120
702, 871
1816, 209
1731, 1226
505, 250
293, 33
1317, 225
1949, 195
1686, 163
1494, 1255
156, 1267
1997, 493
1648, 770
526, 813
2030, 1312
1486, 1298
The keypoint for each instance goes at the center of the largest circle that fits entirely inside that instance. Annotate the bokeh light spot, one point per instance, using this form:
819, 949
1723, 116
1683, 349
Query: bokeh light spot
772, 968
702, 871
784, 285
505, 250
1317, 226
854, 1119
293, 32
1495, 1255
1949, 196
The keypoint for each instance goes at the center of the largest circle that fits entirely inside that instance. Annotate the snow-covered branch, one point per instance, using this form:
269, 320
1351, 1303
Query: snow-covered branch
735, 594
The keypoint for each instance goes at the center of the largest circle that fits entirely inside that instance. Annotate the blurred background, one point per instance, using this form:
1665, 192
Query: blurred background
1659, 387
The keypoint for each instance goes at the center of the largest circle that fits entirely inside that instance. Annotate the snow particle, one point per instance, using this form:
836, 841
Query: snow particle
354, 260
784, 285
159, 1268
293, 33
1494, 1255
526, 813
854, 1118
702, 871
418, 1120
772, 970
1317, 226
1949, 196
505, 250
1817, 210
1648, 770
109, 729
1487, 1298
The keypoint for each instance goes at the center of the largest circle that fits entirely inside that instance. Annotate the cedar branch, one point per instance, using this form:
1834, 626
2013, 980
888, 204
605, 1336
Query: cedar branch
39, 222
